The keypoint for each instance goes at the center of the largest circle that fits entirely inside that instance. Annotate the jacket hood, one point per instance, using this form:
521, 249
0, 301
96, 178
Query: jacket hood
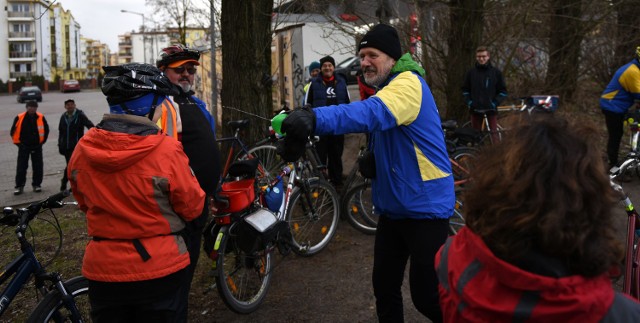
120, 141
406, 63
493, 289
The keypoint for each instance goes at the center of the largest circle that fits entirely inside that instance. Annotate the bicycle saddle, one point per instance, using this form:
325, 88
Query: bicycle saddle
238, 124
244, 168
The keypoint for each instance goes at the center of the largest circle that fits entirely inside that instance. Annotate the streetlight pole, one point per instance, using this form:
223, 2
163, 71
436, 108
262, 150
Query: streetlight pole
144, 31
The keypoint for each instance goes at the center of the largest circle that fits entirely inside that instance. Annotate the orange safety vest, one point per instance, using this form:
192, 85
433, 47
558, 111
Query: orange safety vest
39, 122
168, 121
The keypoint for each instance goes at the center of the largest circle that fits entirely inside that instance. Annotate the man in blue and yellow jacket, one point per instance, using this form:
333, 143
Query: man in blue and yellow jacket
622, 93
413, 186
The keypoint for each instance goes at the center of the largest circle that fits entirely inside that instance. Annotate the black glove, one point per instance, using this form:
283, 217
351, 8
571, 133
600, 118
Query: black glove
300, 123
297, 127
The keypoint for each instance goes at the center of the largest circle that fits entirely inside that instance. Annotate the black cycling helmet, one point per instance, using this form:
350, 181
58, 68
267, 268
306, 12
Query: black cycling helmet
176, 55
130, 81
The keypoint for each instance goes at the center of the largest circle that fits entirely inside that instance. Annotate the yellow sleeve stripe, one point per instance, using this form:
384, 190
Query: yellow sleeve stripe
428, 171
403, 97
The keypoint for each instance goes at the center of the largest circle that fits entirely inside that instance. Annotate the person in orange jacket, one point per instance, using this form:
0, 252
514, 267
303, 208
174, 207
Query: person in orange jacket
29, 132
134, 184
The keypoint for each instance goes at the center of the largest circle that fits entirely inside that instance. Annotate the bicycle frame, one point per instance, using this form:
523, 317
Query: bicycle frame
630, 285
26, 264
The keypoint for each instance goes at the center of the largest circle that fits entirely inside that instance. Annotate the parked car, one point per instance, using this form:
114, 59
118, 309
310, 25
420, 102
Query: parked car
349, 68
70, 86
29, 93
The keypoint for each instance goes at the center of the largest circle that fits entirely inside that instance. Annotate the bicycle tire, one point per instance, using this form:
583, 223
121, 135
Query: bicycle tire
312, 232
461, 163
52, 309
242, 280
270, 162
358, 208
456, 221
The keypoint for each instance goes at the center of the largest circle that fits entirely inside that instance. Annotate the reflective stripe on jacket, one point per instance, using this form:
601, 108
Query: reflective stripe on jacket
39, 122
168, 121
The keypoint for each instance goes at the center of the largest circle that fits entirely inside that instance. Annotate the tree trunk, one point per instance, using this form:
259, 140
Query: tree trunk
246, 65
466, 22
628, 32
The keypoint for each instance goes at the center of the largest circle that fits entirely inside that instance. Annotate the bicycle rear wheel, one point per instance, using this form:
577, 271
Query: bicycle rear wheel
313, 216
359, 210
456, 221
52, 309
270, 162
242, 279
461, 162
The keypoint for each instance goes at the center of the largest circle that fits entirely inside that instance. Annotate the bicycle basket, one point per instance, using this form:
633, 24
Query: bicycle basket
240, 194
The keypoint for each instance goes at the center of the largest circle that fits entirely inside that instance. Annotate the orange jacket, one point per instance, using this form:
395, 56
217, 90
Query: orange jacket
133, 187
39, 122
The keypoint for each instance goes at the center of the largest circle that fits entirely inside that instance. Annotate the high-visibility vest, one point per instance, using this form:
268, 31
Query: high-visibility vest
168, 121
39, 122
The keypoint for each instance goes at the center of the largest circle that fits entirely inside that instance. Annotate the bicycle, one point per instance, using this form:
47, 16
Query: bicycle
357, 204
63, 300
631, 282
248, 229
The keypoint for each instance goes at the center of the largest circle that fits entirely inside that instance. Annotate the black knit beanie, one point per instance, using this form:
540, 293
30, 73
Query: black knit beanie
328, 59
384, 38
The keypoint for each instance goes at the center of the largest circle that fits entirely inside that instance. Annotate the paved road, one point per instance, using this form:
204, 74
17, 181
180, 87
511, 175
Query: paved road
92, 102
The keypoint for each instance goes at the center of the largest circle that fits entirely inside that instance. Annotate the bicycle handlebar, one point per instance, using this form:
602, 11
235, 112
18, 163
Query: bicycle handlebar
24, 215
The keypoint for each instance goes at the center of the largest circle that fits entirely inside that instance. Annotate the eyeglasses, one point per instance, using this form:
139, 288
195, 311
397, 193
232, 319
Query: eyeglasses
181, 69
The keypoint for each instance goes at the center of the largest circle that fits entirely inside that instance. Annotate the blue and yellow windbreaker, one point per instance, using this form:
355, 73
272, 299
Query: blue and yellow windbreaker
623, 90
413, 171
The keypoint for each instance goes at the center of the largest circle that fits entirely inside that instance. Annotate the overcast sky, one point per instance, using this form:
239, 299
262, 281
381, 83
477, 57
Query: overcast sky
102, 19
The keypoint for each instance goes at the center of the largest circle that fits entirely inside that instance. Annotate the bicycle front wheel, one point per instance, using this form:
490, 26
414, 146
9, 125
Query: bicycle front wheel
358, 207
242, 278
312, 215
52, 308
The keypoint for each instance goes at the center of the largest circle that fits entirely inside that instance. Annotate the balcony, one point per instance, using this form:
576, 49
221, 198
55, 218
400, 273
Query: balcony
22, 34
16, 54
15, 75
12, 14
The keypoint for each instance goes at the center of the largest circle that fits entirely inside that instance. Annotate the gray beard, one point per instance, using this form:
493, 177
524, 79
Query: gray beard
185, 87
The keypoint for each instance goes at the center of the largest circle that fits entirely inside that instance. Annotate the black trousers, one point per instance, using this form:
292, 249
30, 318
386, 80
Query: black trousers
397, 241
155, 300
24, 153
615, 128
67, 157
330, 148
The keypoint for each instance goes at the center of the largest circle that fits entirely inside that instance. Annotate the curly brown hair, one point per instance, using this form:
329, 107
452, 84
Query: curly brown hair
544, 189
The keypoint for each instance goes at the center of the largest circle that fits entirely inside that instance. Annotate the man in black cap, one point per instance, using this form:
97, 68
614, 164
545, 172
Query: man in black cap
412, 188
329, 89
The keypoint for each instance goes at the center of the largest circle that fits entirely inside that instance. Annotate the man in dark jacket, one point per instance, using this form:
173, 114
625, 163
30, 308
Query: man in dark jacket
70, 130
29, 132
483, 90
329, 88
196, 131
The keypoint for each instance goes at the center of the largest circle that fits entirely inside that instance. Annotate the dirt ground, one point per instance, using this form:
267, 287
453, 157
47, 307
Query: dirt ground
333, 286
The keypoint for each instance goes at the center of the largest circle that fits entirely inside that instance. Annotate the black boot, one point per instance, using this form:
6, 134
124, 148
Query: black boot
19, 190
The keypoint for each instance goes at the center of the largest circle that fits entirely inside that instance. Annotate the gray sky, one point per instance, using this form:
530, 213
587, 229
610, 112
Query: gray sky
102, 19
